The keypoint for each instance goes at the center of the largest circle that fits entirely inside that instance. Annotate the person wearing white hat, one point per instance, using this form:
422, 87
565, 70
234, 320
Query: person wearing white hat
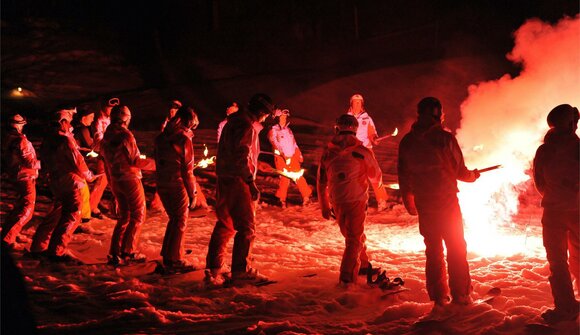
367, 134
22, 166
287, 156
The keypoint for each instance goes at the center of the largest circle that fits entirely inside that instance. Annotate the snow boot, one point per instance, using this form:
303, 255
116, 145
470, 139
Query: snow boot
176, 267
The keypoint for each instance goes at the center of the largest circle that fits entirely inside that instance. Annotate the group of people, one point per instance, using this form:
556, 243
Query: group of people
430, 163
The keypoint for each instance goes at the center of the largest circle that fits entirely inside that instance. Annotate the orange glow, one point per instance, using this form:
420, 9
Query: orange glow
503, 122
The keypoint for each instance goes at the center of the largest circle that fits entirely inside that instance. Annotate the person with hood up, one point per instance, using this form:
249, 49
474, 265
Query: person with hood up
124, 163
22, 166
344, 172
237, 193
556, 167
68, 174
367, 134
287, 156
430, 163
176, 184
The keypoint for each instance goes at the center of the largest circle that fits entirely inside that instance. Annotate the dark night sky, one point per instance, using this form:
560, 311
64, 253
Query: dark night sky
166, 45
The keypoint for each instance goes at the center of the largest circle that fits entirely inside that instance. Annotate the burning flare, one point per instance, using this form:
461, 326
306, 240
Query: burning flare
292, 175
504, 121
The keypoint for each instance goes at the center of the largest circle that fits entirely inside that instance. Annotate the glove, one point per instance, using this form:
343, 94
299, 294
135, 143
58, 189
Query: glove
193, 201
254, 191
409, 202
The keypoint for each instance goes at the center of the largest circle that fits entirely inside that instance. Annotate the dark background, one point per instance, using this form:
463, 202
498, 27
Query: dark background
310, 56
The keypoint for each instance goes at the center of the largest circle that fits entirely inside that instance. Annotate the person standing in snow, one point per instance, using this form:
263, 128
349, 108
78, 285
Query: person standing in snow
367, 134
123, 163
237, 193
22, 166
175, 104
82, 134
344, 172
174, 160
100, 126
68, 174
430, 163
556, 167
287, 156
233, 108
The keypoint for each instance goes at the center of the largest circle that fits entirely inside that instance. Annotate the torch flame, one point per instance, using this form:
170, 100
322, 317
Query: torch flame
292, 175
395, 132
205, 151
92, 154
142, 156
204, 163
393, 186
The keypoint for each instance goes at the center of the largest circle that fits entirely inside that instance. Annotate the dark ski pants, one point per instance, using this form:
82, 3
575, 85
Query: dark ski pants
235, 214
131, 201
23, 210
55, 232
440, 221
176, 203
561, 239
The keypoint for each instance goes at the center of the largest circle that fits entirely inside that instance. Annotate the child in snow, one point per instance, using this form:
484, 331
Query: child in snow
287, 156
344, 172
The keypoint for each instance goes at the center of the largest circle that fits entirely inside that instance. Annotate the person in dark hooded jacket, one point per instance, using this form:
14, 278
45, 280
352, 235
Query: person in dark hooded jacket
176, 184
430, 163
344, 172
556, 168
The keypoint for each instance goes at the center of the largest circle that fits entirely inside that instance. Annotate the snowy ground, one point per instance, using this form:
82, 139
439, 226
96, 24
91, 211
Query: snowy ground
302, 252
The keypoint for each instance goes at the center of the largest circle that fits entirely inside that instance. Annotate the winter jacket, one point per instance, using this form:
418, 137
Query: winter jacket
221, 128
345, 168
239, 147
63, 161
431, 162
121, 154
282, 139
174, 158
366, 129
101, 125
556, 168
20, 157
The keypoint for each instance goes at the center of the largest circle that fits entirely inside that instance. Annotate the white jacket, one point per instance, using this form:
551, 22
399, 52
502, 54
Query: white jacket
366, 129
282, 139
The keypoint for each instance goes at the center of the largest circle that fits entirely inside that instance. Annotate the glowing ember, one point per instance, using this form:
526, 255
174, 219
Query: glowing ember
276, 152
292, 175
288, 160
392, 186
19, 89
205, 151
92, 154
395, 132
502, 122
142, 156
204, 163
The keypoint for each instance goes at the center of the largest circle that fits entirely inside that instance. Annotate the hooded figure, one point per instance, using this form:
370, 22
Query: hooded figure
430, 163
344, 172
287, 156
176, 184
237, 193
556, 167
68, 174
22, 166
123, 164
367, 134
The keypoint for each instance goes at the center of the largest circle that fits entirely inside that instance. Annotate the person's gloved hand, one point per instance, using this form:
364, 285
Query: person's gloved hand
254, 191
409, 202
